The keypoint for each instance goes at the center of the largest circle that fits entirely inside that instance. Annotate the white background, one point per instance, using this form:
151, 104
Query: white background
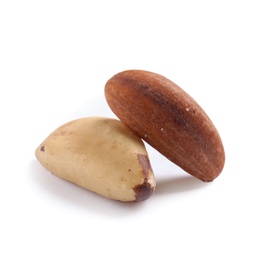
55, 58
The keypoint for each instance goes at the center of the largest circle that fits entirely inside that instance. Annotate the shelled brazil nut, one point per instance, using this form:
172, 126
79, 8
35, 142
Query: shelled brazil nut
102, 155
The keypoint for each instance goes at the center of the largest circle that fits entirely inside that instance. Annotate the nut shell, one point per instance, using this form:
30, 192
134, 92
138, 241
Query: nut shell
167, 118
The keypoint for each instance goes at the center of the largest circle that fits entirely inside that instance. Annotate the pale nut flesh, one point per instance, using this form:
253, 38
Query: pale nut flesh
167, 118
102, 155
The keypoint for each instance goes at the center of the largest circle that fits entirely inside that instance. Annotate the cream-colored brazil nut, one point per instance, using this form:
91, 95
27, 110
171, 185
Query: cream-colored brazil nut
167, 118
102, 155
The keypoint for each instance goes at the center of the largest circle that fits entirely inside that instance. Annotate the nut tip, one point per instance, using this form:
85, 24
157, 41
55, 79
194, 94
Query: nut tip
143, 191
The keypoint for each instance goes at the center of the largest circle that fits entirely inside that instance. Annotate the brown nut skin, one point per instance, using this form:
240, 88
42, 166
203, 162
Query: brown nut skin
167, 118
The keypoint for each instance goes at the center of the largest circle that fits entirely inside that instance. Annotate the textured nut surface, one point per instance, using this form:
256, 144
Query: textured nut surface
102, 155
167, 118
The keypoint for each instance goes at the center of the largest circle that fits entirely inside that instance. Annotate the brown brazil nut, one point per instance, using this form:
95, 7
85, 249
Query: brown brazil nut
167, 118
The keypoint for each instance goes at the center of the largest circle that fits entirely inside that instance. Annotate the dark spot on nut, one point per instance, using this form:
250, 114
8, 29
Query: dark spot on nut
42, 149
145, 163
143, 191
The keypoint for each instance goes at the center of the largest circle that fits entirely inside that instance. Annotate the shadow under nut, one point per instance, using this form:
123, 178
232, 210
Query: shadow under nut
167, 118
